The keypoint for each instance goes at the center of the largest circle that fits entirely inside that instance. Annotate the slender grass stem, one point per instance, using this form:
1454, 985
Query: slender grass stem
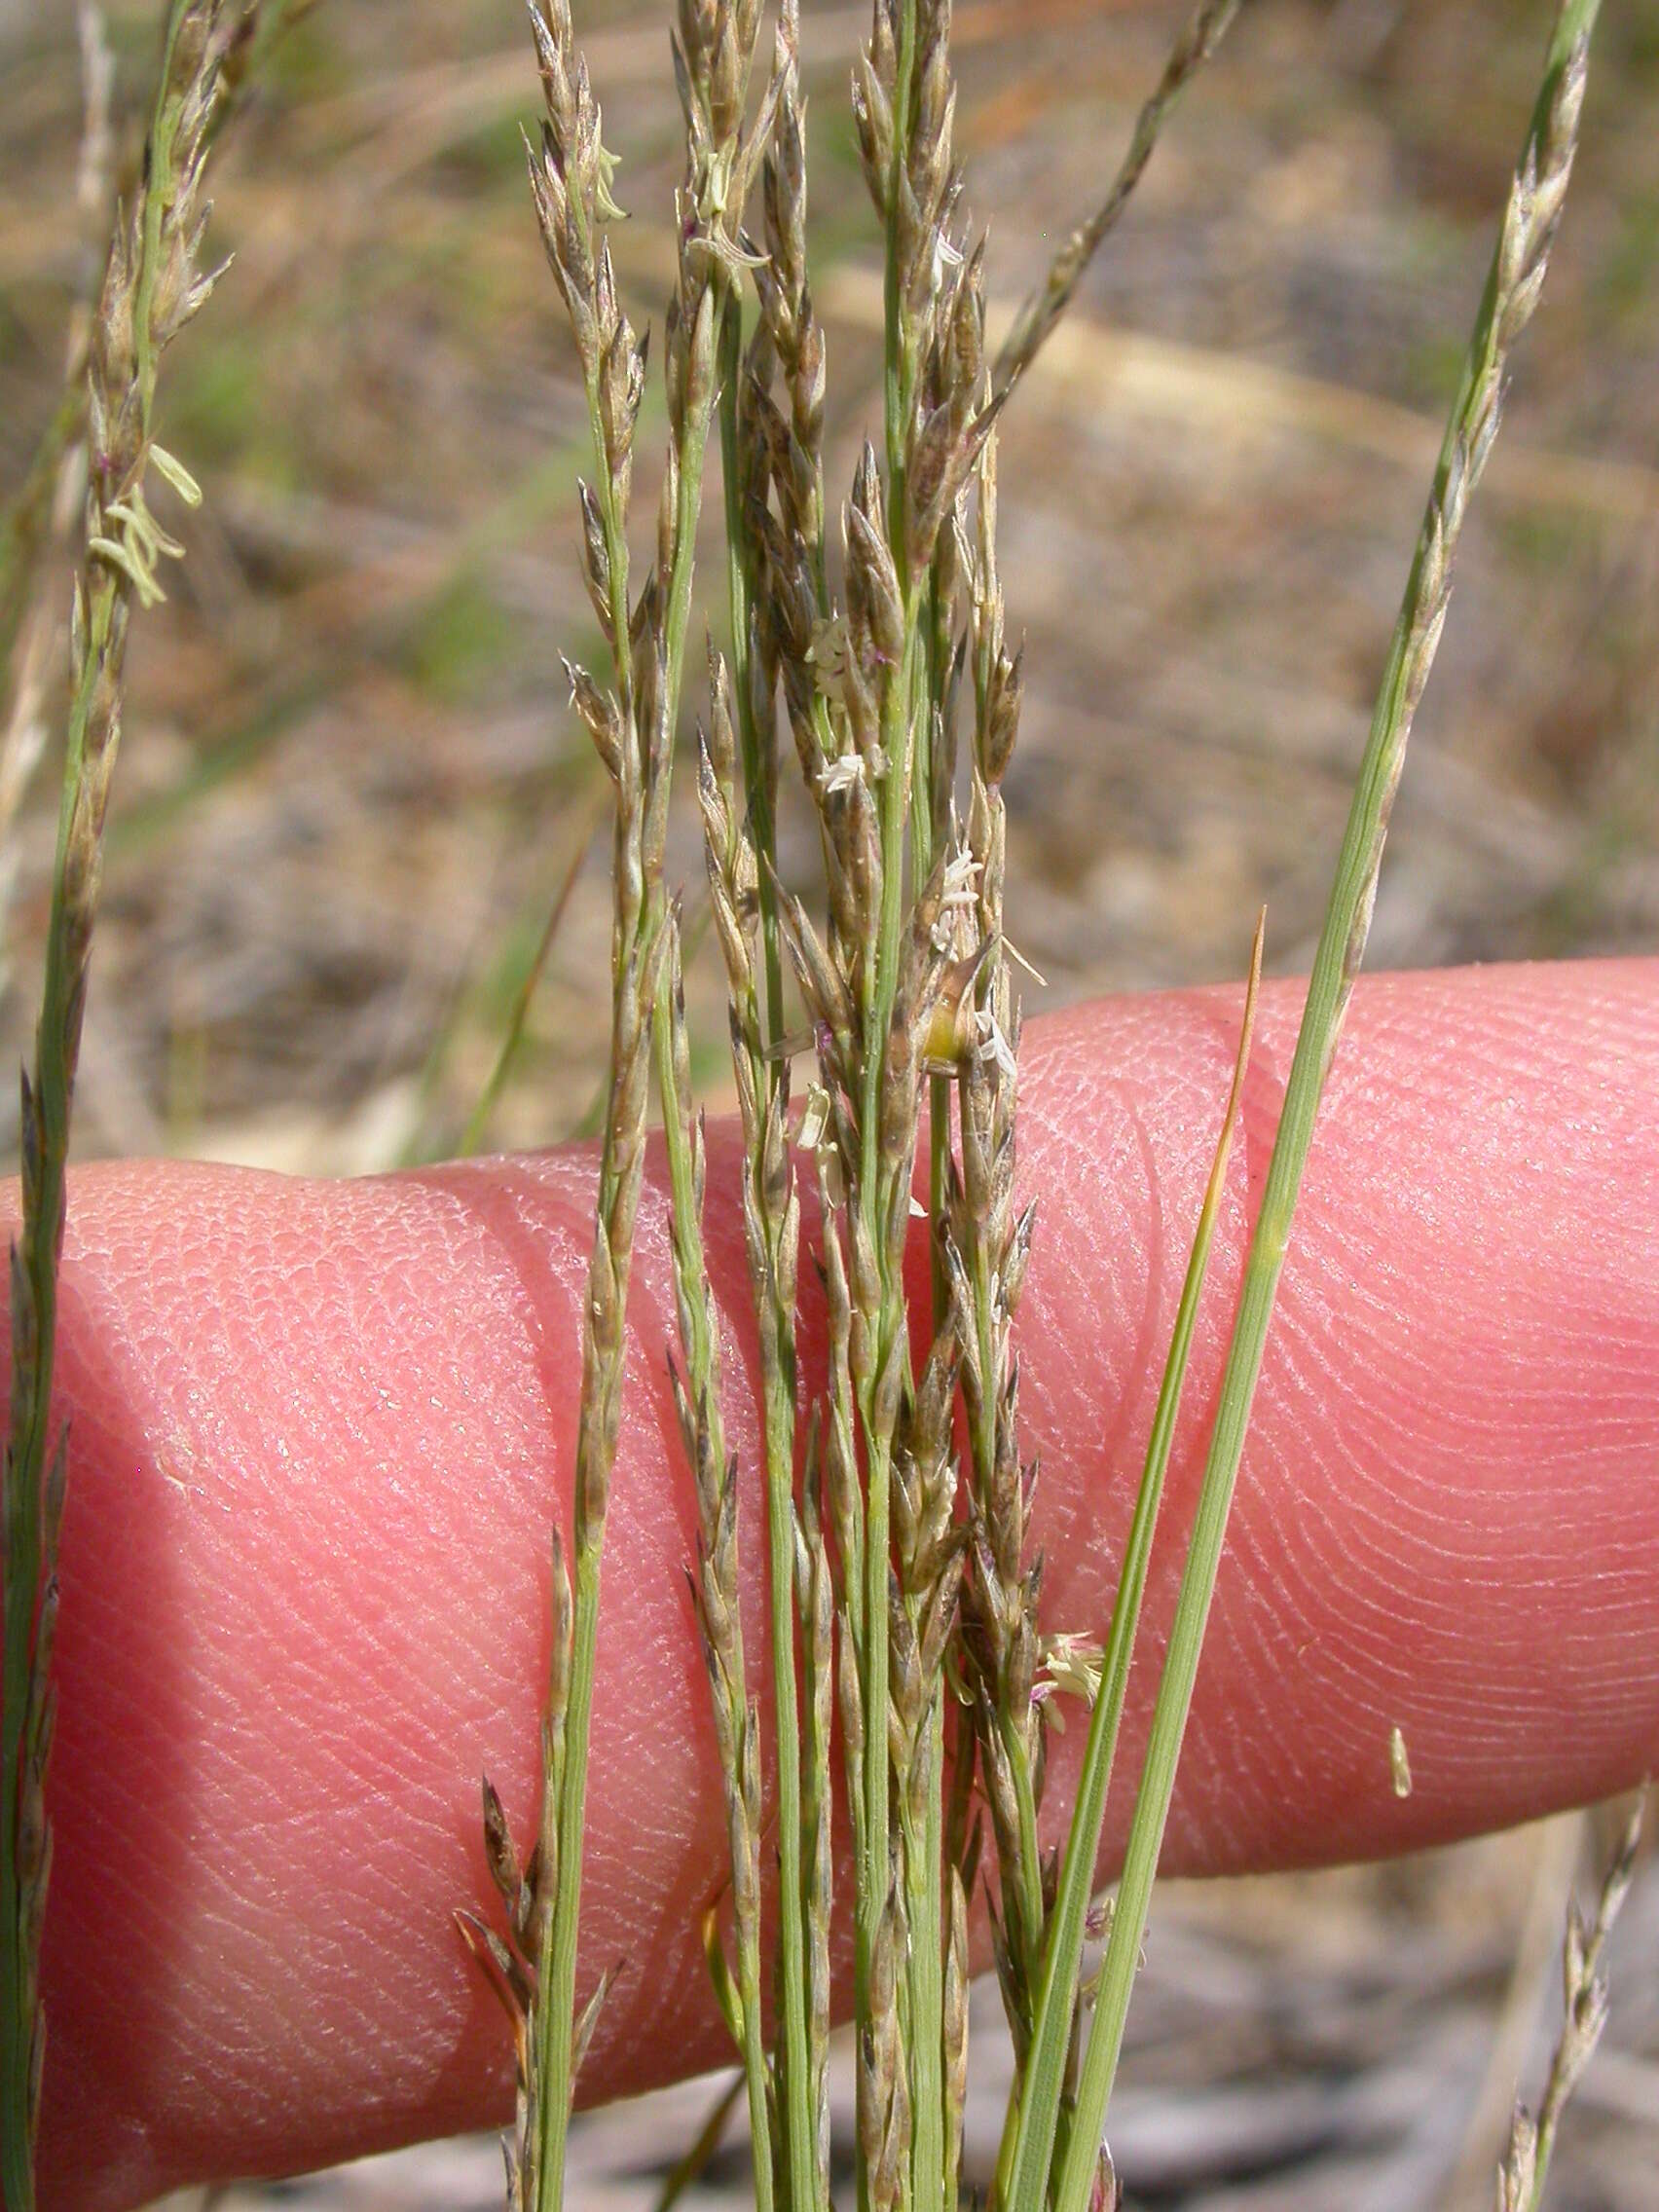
688, 2169
152, 287
758, 764
1034, 2109
489, 1099
557, 1965
1512, 290
881, 958
924, 1851
774, 1228
887, 1323
767, 1078
638, 1002
717, 1581
800, 2124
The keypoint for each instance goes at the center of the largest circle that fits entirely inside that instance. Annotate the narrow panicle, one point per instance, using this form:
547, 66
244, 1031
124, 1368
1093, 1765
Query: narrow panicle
154, 284
987, 1240
632, 721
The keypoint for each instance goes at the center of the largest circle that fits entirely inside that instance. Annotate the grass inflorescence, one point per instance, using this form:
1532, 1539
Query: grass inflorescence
904, 1599
907, 1676
154, 282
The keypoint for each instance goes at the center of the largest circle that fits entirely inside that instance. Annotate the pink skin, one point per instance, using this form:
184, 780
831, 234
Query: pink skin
319, 1430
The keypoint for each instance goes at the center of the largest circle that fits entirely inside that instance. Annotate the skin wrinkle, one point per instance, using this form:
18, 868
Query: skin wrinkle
302, 1819
1165, 1251
452, 1825
1136, 1371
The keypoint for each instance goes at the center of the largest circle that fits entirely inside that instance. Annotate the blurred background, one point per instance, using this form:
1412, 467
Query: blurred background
354, 827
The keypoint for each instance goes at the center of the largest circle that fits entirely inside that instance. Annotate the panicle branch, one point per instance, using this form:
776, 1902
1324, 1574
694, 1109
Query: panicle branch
1198, 39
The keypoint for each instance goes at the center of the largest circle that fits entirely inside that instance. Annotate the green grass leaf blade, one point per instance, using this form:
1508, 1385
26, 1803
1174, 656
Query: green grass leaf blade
1044, 2072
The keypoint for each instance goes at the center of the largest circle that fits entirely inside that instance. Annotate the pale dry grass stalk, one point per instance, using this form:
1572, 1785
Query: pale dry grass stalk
153, 284
1525, 2169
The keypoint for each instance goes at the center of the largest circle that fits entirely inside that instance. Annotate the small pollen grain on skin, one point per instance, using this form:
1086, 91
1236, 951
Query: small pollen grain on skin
1399, 1765
175, 1471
